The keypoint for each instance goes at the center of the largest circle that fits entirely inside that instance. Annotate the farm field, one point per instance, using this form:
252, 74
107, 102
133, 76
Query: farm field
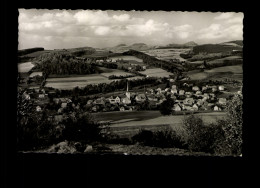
221, 60
35, 73
127, 57
125, 123
156, 72
167, 54
36, 54
234, 72
25, 67
71, 81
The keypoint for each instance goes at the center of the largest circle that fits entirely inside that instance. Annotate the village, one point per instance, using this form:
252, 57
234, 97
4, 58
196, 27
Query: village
187, 98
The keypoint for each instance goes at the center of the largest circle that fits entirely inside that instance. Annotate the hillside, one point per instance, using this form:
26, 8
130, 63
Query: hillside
173, 45
216, 48
123, 47
29, 50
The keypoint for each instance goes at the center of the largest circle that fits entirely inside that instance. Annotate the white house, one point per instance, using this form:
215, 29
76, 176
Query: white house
181, 92
195, 88
195, 107
63, 105
140, 98
216, 108
126, 100
176, 107
114, 100
174, 87
188, 101
221, 88
222, 101
41, 96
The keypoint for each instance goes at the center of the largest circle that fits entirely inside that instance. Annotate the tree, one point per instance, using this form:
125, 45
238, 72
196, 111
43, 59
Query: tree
233, 125
166, 106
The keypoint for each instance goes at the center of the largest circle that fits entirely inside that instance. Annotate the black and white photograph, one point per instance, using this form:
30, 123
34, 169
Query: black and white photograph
137, 83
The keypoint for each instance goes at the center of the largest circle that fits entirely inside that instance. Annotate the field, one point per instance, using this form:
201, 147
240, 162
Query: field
36, 54
71, 81
167, 54
108, 72
129, 123
229, 58
127, 57
156, 72
234, 72
35, 73
25, 67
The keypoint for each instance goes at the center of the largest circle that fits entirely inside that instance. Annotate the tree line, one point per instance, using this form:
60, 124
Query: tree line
59, 63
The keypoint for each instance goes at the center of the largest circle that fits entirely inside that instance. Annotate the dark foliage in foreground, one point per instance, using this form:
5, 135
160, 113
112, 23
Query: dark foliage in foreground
165, 138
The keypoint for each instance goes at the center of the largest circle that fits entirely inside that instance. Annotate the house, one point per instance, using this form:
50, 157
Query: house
114, 100
140, 98
198, 93
216, 108
212, 95
122, 108
214, 88
195, 107
188, 94
195, 88
221, 88
159, 90
173, 91
90, 102
126, 100
95, 108
167, 89
174, 87
38, 108
181, 92
222, 101
41, 96
204, 88
188, 101
176, 107
200, 102
64, 105
60, 110
144, 67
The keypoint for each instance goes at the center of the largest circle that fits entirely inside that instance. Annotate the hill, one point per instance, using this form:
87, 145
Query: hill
217, 48
123, 47
174, 45
29, 50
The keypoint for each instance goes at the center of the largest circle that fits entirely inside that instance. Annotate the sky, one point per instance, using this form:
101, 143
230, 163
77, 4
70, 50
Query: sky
59, 29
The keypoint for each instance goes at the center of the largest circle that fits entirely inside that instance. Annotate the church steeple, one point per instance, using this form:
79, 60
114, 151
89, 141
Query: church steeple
127, 92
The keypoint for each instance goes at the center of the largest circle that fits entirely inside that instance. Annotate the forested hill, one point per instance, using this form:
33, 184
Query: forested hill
59, 63
171, 67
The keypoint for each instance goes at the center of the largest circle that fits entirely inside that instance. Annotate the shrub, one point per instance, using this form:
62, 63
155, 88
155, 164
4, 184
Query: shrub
161, 138
201, 137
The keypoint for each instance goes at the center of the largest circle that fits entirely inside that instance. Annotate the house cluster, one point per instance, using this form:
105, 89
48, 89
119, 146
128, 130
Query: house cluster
197, 98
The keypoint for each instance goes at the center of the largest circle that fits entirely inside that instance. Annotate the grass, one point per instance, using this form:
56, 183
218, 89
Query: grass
128, 123
156, 72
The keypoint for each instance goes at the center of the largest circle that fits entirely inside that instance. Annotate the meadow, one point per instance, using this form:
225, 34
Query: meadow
25, 67
156, 72
127, 58
234, 72
129, 123
167, 54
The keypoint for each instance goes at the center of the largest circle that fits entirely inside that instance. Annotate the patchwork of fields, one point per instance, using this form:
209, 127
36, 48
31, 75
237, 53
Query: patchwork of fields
235, 72
167, 54
127, 58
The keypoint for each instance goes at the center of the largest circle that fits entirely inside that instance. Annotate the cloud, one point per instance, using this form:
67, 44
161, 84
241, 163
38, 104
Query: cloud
218, 31
122, 17
224, 16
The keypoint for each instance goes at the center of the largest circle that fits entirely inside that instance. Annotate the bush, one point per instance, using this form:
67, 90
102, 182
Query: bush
201, 137
163, 138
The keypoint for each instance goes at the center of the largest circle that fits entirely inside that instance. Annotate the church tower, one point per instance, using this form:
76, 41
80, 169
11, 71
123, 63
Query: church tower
127, 92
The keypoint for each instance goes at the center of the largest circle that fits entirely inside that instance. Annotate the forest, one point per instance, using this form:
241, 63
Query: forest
58, 63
